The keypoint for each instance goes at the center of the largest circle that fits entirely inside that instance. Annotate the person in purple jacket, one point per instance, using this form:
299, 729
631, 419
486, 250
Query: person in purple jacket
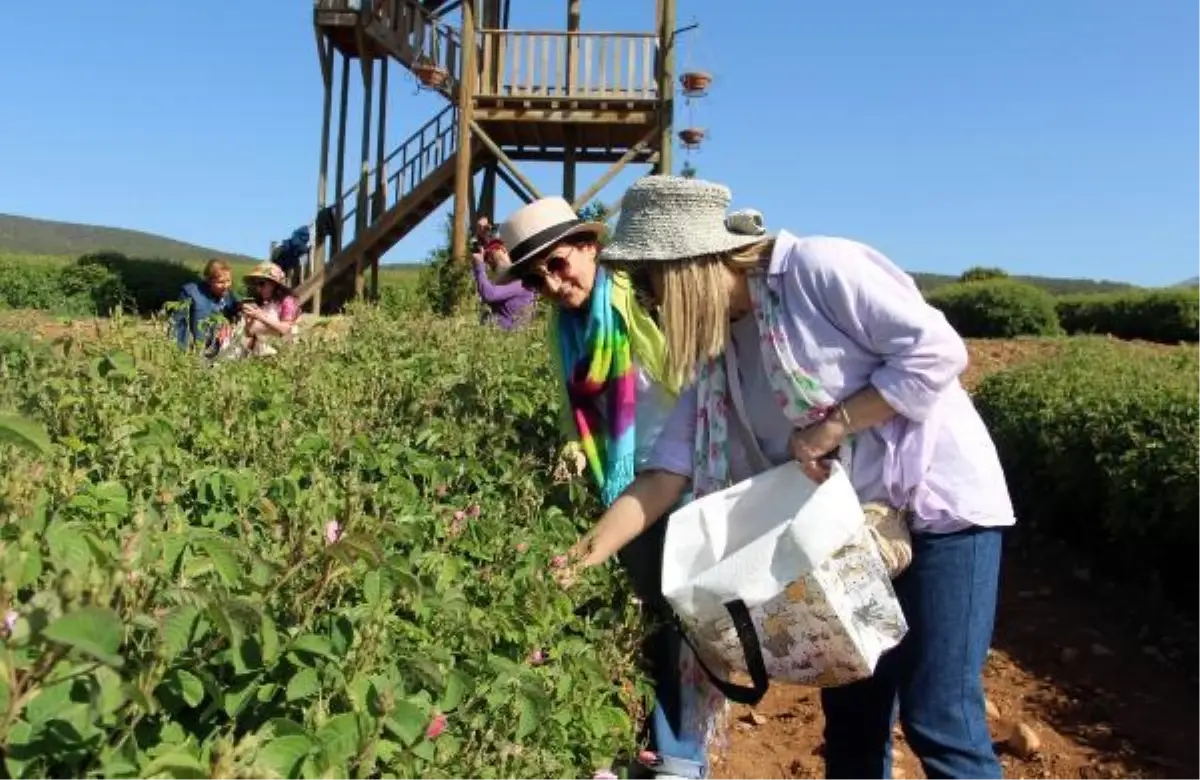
509, 305
834, 344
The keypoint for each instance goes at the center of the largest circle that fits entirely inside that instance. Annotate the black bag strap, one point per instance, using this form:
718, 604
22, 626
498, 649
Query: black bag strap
742, 694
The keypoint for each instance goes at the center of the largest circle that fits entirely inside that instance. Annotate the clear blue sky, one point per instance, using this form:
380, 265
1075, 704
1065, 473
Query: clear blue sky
1054, 137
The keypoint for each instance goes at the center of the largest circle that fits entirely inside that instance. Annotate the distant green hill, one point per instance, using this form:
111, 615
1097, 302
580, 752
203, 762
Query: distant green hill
1055, 285
30, 236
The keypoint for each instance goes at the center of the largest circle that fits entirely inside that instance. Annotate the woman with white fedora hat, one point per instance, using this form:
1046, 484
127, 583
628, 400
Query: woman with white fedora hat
609, 354
834, 344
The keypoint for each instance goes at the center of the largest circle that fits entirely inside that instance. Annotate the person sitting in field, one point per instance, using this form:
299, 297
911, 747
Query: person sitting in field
509, 305
212, 295
274, 310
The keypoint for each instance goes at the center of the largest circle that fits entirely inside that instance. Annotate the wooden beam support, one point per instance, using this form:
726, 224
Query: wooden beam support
616, 168
325, 54
504, 159
340, 175
647, 156
466, 100
487, 195
380, 199
362, 205
666, 85
514, 185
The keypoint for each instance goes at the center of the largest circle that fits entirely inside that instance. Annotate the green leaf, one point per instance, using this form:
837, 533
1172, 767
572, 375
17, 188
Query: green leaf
340, 736
189, 687
269, 640
94, 631
313, 645
527, 723
408, 721
283, 755
457, 684
177, 629
25, 434
372, 589
176, 764
223, 557
303, 685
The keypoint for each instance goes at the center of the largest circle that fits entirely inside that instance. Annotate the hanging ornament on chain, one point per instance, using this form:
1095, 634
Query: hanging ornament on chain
694, 83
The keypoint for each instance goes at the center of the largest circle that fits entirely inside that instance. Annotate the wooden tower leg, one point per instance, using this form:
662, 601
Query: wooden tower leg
570, 136
666, 84
462, 156
381, 175
325, 53
487, 193
363, 200
340, 174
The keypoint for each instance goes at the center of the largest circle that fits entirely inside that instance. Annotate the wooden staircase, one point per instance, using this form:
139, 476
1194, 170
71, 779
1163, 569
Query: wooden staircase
569, 96
421, 180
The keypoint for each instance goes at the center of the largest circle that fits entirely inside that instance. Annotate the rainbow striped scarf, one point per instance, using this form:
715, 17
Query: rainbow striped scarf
598, 362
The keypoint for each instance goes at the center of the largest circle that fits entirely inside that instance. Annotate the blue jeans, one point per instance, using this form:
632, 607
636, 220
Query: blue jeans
936, 672
681, 753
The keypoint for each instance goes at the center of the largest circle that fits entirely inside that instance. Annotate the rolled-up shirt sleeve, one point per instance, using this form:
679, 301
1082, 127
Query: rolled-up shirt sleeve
879, 308
673, 451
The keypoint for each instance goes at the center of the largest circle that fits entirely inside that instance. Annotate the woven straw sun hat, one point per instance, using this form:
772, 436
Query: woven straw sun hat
270, 272
675, 217
537, 226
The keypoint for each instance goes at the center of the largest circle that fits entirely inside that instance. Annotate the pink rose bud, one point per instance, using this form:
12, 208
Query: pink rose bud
558, 561
436, 726
333, 531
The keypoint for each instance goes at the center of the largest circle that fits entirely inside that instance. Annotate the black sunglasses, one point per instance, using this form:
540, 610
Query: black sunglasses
535, 281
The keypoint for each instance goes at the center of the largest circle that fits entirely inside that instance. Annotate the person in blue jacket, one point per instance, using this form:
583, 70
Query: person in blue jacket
213, 294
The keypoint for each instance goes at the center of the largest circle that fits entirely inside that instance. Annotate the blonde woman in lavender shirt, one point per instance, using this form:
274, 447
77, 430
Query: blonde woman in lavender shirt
834, 345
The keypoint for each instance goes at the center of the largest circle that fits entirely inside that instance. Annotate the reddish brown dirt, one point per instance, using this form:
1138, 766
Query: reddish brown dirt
1103, 675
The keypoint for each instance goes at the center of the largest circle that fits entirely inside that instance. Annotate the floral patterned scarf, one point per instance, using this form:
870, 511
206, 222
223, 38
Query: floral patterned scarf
804, 402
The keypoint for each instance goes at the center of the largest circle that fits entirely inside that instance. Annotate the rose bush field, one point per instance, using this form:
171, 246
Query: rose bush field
330, 564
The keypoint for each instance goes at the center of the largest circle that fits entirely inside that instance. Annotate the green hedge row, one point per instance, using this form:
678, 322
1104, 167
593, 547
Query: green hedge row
1005, 308
94, 284
1166, 316
997, 308
1099, 447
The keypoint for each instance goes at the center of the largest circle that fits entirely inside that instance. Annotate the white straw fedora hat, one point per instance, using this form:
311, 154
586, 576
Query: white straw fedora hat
676, 217
535, 227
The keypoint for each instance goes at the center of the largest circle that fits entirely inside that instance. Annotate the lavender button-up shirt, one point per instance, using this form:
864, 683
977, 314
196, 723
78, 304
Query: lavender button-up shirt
854, 319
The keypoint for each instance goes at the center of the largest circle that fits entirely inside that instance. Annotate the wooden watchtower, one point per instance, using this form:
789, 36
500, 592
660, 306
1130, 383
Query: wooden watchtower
509, 96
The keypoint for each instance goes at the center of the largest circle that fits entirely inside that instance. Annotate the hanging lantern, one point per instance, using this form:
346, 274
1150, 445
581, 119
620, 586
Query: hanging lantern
691, 137
430, 74
695, 83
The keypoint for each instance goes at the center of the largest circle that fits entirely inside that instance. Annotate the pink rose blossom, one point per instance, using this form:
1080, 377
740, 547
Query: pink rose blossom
537, 658
436, 726
558, 561
333, 531
10, 620
459, 516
